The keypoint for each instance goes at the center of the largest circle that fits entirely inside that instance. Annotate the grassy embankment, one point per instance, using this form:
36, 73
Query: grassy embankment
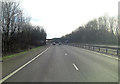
17, 54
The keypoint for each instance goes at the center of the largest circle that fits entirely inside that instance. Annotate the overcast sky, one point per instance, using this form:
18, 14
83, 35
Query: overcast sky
60, 17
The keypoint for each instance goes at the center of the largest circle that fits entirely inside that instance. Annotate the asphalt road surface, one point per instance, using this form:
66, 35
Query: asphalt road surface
62, 63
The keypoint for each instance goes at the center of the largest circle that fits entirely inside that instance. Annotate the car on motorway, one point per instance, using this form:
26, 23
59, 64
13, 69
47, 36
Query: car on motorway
60, 43
53, 43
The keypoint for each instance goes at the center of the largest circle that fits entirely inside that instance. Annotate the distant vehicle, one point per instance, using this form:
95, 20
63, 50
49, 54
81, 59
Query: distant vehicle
60, 43
53, 43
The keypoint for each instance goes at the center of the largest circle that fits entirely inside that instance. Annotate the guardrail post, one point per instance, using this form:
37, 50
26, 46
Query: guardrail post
106, 50
99, 49
93, 48
89, 47
117, 51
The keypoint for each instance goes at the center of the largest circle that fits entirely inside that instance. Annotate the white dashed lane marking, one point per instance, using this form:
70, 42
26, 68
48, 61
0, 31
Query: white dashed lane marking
75, 66
66, 54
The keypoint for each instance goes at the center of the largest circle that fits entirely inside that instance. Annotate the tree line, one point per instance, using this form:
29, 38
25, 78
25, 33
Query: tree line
18, 33
102, 30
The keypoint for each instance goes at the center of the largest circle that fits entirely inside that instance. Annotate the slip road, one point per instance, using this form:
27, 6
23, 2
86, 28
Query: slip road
62, 63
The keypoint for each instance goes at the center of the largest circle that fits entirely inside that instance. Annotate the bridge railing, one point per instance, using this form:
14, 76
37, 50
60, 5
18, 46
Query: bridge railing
99, 48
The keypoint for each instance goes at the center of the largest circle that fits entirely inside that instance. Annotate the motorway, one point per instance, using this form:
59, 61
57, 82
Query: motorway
62, 63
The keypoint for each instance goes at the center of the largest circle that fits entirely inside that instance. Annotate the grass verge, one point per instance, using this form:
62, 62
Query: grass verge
17, 54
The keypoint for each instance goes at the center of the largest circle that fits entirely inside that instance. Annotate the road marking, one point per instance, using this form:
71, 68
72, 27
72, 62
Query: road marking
75, 66
116, 58
102, 54
11, 74
66, 54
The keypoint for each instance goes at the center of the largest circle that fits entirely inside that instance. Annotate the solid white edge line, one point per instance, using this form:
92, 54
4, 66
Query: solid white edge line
109, 56
11, 74
75, 66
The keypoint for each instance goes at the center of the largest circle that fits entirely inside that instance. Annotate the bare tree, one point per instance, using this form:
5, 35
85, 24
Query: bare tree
113, 24
12, 20
17, 32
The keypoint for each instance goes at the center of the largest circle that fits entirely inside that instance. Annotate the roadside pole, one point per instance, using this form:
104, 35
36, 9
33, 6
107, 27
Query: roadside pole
0, 41
118, 39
